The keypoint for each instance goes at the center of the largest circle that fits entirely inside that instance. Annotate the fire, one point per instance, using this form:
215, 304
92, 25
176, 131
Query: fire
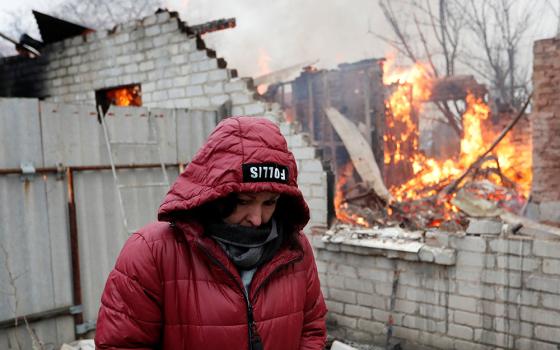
125, 96
340, 206
263, 61
429, 174
506, 171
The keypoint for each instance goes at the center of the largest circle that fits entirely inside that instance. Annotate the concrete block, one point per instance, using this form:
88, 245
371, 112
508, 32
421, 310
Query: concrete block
510, 246
420, 323
372, 300
309, 179
460, 331
357, 311
502, 277
334, 281
473, 259
493, 308
304, 152
254, 109
493, 338
546, 249
371, 326
432, 311
194, 90
516, 296
347, 297
545, 284
521, 263
152, 30
469, 243
406, 333
343, 321
540, 316
463, 303
334, 306
201, 102
218, 74
405, 306
474, 289
484, 227
214, 88
550, 211
311, 165
548, 334
473, 320
551, 266
375, 274
219, 100
551, 301
530, 344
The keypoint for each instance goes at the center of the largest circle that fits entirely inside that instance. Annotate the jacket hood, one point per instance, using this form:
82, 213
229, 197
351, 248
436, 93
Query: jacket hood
242, 154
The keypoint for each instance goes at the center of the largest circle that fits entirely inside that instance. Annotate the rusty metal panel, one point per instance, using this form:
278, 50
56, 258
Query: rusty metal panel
71, 135
20, 132
193, 128
35, 241
100, 228
130, 127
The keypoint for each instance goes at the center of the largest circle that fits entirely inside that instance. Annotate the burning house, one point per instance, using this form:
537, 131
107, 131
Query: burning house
418, 257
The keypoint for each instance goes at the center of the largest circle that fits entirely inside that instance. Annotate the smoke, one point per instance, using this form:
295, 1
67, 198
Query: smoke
289, 31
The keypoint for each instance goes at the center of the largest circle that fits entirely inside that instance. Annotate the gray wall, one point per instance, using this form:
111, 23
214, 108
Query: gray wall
465, 292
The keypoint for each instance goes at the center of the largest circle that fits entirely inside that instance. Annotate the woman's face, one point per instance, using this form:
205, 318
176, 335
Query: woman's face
253, 209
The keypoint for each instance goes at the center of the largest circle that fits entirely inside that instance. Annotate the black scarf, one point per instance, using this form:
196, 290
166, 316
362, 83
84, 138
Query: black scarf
247, 247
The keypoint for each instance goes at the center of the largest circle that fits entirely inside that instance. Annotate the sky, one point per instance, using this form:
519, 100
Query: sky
272, 35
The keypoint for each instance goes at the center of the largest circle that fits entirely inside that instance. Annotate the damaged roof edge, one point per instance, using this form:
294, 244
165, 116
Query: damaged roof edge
54, 29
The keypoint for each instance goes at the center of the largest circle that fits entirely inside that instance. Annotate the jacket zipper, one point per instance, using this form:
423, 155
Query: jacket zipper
250, 317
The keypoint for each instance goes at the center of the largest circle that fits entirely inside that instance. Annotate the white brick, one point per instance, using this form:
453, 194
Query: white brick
551, 301
493, 338
343, 321
334, 306
512, 279
468, 318
372, 300
421, 323
194, 90
236, 85
200, 102
551, 285
198, 78
547, 249
311, 165
541, 316
214, 88
463, 303
474, 259
499, 309
405, 306
484, 227
475, 289
176, 93
304, 153
254, 109
219, 100
509, 246
358, 285
152, 30
459, 331
530, 344
371, 326
475, 244
522, 263
308, 178
357, 311
219, 74
551, 266
344, 296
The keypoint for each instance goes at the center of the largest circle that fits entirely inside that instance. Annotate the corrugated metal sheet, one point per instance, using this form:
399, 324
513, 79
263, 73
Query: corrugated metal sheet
34, 213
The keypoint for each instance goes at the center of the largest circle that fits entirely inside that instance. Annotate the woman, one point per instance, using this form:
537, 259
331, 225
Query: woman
226, 266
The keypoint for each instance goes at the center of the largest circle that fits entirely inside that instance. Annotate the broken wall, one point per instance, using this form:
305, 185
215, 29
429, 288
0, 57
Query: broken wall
175, 70
480, 291
546, 130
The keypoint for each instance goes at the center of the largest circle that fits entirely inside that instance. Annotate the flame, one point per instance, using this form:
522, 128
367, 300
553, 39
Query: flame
424, 177
340, 206
263, 61
428, 174
125, 96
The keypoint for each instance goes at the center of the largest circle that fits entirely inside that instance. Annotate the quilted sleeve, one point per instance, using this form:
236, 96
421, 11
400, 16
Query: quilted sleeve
314, 333
130, 313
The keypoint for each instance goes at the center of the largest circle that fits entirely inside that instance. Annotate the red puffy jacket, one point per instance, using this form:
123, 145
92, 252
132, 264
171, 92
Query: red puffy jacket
174, 287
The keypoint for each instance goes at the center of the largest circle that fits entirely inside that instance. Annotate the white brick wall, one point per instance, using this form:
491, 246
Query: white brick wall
173, 73
499, 293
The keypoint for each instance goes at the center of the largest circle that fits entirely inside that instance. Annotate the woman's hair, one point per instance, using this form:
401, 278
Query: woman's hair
221, 208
